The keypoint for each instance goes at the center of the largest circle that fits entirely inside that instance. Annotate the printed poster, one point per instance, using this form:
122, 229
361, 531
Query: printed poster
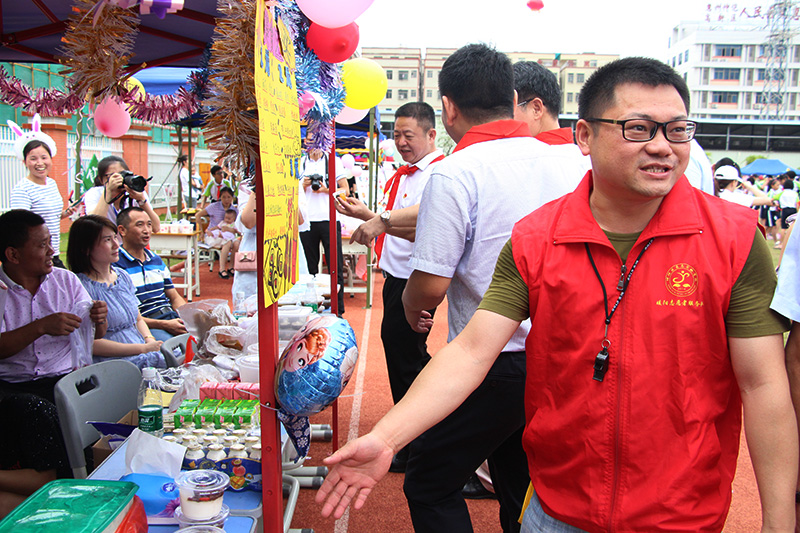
279, 139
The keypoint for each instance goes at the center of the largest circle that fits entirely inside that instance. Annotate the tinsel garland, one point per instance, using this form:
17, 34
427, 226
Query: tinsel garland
315, 76
96, 56
231, 126
89, 50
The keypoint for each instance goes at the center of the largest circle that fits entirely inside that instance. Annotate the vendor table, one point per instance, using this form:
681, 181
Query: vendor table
245, 501
166, 243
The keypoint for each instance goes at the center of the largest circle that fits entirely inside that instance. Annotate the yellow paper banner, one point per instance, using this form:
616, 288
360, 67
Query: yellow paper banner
279, 139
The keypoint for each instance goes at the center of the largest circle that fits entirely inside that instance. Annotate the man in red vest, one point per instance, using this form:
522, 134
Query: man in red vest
650, 334
405, 349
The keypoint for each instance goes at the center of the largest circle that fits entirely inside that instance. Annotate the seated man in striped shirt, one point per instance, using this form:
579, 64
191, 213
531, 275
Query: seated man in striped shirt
158, 298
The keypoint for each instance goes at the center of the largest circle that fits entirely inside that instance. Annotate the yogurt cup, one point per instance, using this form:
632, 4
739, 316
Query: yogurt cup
201, 493
215, 521
200, 529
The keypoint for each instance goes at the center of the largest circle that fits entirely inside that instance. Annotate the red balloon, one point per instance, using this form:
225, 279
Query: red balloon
333, 45
535, 5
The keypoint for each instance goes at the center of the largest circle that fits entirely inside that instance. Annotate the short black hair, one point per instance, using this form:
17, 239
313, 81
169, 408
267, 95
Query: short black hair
215, 169
232, 211
15, 228
421, 112
32, 145
124, 216
479, 80
102, 167
83, 236
183, 158
532, 80
227, 190
598, 93
788, 183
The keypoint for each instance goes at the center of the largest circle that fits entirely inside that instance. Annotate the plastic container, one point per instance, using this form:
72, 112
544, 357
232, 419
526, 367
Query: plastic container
200, 529
201, 493
67, 505
215, 521
150, 405
248, 368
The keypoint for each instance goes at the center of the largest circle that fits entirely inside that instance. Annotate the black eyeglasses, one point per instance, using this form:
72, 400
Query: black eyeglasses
641, 130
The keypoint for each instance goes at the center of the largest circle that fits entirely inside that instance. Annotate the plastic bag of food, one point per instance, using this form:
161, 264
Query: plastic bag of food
225, 340
190, 388
200, 317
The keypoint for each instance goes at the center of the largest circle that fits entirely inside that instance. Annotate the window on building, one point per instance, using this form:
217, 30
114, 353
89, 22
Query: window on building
569, 98
413, 93
686, 56
413, 73
728, 50
429, 93
402, 94
763, 50
402, 74
593, 63
570, 78
388, 93
724, 97
388, 74
727, 73
762, 98
761, 74
430, 74
580, 78
680, 59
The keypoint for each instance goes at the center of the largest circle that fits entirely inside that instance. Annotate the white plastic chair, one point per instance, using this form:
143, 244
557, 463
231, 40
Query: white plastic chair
104, 391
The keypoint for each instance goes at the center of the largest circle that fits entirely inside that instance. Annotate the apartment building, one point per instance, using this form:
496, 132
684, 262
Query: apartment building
726, 64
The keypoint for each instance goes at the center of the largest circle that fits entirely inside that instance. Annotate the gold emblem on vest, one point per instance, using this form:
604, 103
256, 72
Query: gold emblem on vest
681, 280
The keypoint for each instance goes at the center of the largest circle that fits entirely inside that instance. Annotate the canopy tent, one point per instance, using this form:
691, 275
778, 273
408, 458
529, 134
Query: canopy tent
31, 32
767, 167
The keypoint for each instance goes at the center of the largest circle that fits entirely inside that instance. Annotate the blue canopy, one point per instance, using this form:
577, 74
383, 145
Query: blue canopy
767, 167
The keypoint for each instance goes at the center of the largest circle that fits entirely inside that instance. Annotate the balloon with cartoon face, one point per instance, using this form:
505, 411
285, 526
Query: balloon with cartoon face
315, 366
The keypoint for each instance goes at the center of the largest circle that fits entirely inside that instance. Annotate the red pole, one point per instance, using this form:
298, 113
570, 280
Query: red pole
271, 476
333, 268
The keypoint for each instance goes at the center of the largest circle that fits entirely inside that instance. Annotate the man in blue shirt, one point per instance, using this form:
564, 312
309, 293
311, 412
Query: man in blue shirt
158, 298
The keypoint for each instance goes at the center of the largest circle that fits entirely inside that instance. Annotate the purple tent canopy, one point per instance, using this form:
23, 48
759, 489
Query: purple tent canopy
31, 32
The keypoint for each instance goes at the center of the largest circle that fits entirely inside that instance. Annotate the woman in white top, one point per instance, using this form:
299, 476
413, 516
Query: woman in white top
38, 192
728, 182
109, 196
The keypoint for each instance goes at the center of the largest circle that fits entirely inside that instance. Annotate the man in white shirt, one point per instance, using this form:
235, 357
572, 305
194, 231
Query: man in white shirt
314, 171
405, 349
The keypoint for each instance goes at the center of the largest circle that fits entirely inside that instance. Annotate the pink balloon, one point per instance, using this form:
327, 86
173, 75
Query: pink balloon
350, 116
333, 14
348, 161
111, 118
357, 171
535, 5
306, 102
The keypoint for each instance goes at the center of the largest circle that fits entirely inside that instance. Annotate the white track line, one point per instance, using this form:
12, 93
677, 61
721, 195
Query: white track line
355, 413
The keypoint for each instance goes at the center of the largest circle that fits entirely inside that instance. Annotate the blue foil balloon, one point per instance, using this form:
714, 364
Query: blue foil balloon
315, 366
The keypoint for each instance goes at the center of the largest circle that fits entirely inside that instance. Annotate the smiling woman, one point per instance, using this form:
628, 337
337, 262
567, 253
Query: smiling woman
38, 192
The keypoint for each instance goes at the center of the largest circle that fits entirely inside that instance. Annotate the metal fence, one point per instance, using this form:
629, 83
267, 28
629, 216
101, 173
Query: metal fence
90, 146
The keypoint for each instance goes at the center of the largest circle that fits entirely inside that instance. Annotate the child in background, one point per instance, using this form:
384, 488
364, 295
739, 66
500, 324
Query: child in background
225, 237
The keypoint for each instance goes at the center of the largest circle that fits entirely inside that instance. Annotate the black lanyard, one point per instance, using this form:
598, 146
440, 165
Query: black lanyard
601, 361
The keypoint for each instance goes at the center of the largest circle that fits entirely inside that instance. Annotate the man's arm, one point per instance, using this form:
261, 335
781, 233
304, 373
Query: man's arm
57, 324
770, 425
175, 298
423, 291
445, 382
404, 222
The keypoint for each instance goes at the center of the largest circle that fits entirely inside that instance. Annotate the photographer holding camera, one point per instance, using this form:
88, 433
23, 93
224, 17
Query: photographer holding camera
316, 228
117, 188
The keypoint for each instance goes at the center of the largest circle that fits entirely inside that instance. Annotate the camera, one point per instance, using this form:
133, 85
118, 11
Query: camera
132, 181
316, 181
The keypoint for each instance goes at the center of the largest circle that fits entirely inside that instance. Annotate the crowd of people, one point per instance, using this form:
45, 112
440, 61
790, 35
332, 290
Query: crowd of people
612, 326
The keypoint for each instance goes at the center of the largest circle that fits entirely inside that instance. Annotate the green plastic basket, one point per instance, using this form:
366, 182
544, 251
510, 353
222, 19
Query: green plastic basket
71, 505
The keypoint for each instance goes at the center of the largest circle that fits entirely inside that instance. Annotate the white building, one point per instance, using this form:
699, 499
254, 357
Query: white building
725, 62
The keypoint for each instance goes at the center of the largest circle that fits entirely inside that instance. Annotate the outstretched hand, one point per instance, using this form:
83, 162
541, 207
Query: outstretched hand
355, 470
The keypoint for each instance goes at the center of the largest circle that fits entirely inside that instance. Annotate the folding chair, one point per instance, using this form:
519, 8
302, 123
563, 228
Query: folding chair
104, 391
168, 349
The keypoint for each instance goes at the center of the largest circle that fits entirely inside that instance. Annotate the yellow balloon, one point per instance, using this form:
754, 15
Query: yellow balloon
364, 83
132, 82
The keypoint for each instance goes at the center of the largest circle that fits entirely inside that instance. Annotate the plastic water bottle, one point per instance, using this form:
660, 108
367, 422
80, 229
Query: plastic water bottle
310, 297
239, 310
151, 415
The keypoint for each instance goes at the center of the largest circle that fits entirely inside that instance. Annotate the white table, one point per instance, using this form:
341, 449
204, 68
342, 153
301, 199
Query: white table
165, 243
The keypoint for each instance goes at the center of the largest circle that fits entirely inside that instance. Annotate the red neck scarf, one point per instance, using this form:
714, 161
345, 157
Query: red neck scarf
499, 129
556, 137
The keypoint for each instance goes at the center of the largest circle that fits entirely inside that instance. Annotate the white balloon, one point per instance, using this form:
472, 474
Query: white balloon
348, 161
350, 116
357, 170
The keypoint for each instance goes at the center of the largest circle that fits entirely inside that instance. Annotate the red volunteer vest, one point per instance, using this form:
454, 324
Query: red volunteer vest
653, 447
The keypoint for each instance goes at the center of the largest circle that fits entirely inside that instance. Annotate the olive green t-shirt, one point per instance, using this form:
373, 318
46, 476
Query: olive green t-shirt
748, 315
